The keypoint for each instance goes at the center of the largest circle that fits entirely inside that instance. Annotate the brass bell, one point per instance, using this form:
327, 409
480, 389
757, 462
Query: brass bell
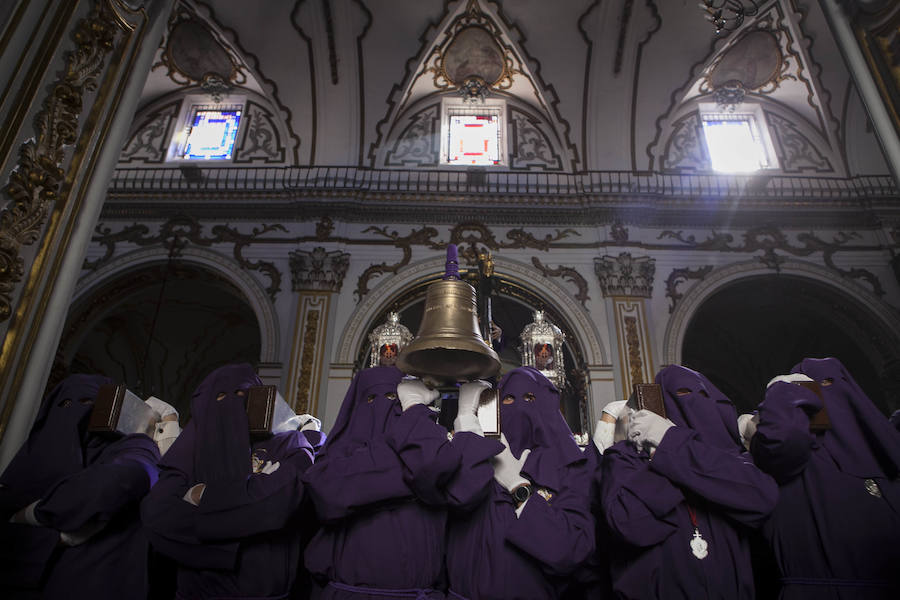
449, 346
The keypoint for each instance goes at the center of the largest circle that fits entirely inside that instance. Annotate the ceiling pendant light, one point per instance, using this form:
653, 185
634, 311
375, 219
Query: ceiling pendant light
728, 15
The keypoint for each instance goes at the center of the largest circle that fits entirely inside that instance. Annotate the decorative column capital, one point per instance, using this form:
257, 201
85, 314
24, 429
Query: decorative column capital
625, 275
318, 270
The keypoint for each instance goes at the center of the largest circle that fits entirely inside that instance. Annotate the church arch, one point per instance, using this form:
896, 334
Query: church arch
760, 323
254, 293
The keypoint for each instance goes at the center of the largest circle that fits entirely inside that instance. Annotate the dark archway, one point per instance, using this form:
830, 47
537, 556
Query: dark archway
759, 327
203, 321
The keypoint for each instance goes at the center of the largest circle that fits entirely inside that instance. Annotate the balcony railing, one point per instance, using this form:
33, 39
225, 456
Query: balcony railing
302, 181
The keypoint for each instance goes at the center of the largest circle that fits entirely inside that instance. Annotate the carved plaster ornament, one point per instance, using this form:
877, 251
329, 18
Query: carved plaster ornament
474, 62
753, 62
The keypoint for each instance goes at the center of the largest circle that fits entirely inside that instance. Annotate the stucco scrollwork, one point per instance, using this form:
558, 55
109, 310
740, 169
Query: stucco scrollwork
150, 142
419, 142
469, 236
531, 147
798, 153
179, 232
261, 141
768, 239
679, 276
685, 149
567, 273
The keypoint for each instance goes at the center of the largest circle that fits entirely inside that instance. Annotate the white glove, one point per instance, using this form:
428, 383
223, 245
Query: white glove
508, 468
467, 415
789, 378
26, 516
413, 391
747, 424
163, 408
646, 429
615, 408
603, 435
164, 434
310, 423
270, 467
82, 534
194, 494
604, 432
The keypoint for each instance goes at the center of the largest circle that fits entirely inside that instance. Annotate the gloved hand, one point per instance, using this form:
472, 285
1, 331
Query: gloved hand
646, 429
789, 378
811, 403
604, 432
413, 391
508, 468
26, 516
615, 408
269, 467
747, 424
310, 422
466, 416
82, 534
164, 434
194, 494
163, 408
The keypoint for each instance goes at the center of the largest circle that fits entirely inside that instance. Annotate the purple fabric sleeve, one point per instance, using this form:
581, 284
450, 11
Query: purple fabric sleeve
262, 503
169, 521
783, 443
119, 478
560, 533
472, 482
429, 459
729, 481
339, 485
638, 504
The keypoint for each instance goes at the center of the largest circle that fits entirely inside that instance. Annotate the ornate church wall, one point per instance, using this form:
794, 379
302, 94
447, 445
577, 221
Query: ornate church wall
624, 293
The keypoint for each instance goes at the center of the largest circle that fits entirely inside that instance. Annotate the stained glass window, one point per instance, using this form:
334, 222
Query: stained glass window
212, 133
474, 139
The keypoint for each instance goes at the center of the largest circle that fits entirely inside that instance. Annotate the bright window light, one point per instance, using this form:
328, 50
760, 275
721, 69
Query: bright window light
474, 140
212, 133
735, 143
473, 133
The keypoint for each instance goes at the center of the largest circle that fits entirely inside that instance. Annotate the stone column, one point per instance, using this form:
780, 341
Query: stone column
627, 283
73, 73
316, 276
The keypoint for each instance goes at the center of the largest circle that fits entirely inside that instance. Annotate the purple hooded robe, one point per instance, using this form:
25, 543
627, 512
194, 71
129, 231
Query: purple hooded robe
836, 530
80, 479
381, 486
243, 540
492, 554
699, 467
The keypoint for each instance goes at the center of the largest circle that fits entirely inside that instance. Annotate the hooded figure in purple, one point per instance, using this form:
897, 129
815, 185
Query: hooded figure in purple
381, 486
680, 496
226, 509
73, 498
534, 526
836, 531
